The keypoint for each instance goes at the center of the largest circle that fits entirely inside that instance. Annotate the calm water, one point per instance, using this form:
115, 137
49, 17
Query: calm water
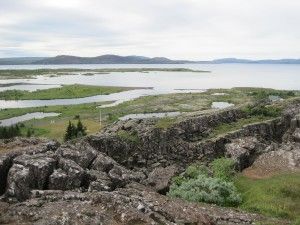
28, 116
221, 105
221, 76
149, 115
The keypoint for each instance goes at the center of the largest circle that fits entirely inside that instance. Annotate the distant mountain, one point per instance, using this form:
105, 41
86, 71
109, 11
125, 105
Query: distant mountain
20, 60
116, 59
108, 59
265, 61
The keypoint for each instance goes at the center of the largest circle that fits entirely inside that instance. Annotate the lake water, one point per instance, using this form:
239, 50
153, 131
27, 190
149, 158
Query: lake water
28, 116
221, 76
149, 115
221, 105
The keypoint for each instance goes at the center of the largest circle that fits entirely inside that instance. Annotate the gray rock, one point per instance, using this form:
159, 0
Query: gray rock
160, 178
40, 167
69, 176
82, 153
296, 135
103, 163
99, 181
5, 164
244, 151
19, 182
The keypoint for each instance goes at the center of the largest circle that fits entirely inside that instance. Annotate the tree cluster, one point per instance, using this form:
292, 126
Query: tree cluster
10, 132
74, 131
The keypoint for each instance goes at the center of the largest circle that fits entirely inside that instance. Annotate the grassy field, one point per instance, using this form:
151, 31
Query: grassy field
66, 91
277, 196
89, 113
30, 74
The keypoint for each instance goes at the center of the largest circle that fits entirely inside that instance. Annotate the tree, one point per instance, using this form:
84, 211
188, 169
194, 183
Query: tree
73, 131
81, 130
69, 132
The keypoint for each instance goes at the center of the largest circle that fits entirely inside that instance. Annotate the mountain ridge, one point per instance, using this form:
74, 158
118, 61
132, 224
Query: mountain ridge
132, 59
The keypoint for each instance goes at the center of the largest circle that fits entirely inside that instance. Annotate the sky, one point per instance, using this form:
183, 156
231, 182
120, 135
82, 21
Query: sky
178, 29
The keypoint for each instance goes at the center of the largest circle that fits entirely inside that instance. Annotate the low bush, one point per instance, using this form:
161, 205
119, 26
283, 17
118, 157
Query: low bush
131, 137
206, 189
196, 185
263, 94
262, 110
223, 168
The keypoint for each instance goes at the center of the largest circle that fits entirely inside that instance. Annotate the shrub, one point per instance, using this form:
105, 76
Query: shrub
262, 110
206, 189
131, 137
223, 168
194, 170
263, 94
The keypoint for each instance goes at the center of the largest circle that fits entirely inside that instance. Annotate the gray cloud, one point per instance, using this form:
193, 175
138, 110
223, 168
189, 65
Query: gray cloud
190, 29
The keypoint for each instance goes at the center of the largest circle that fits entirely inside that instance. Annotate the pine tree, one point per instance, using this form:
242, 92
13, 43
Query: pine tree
69, 132
81, 130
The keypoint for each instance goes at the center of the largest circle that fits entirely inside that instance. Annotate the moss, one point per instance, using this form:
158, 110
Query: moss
165, 123
131, 137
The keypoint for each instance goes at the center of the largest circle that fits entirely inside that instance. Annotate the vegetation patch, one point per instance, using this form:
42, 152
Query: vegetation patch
64, 92
263, 111
164, 123
196, 185
277, 196
265, 93
30, 74
131, 137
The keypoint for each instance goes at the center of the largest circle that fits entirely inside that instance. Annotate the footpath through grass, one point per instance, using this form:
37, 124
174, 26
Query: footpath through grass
277, 196
64, 92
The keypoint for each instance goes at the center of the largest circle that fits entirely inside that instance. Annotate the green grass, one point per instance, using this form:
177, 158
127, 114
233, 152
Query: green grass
183, 102
129, 136
277, 196
229, 127
164, 123
66, 91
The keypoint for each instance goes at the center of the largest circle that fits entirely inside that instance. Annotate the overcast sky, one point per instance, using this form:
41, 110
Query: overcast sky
179, 29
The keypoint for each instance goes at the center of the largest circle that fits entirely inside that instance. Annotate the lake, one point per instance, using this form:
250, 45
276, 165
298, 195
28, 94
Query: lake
278, 76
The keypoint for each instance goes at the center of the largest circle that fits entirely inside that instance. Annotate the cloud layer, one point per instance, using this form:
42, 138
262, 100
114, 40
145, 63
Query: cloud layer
190, 29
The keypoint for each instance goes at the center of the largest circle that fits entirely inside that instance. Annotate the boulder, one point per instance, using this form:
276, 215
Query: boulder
103, 163
40, 167
5, 164
296, 135
83, 154
99, 181
244, 151
160, 178
19, 182
69, 176
121, 176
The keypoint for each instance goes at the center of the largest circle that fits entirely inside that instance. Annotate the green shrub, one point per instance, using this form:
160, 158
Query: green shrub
194, 170
206, 189
129, 136
264, 94
262, 110
223, 168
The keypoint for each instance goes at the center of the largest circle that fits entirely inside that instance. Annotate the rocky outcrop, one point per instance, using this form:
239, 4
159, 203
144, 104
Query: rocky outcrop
133, 204
160, 178
113, 179
244, 151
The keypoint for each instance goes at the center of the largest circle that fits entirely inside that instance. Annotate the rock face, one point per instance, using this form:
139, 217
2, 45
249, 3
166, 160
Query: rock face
160, 178
244, 151
111, 179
